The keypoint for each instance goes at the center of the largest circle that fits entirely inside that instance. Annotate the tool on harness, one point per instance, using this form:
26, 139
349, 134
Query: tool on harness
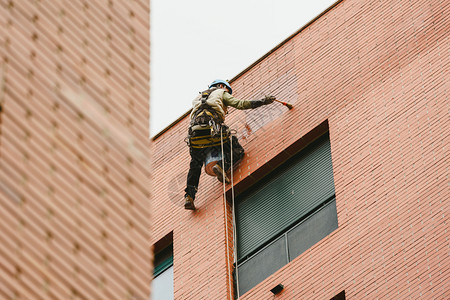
206, 126
204, 139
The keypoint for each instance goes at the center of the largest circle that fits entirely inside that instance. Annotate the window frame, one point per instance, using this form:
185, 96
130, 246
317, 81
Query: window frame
291, 153
163, 259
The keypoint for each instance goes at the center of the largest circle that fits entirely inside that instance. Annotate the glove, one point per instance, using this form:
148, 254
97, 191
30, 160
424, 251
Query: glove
268, 99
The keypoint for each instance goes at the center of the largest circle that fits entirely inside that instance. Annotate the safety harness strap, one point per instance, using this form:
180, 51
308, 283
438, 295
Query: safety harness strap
203, 138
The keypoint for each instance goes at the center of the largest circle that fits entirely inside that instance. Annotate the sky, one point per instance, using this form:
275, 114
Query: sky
195, 42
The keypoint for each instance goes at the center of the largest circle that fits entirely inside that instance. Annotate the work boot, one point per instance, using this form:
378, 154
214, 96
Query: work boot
220, 173
189, 203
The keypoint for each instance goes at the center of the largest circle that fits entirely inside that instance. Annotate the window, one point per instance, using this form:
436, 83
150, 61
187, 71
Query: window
286, 213
162, 283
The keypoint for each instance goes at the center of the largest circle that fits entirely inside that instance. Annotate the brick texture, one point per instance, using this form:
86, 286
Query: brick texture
377, 71
74, 186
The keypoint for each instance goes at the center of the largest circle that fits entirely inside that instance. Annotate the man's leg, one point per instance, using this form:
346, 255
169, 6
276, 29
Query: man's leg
238, 153
193, 178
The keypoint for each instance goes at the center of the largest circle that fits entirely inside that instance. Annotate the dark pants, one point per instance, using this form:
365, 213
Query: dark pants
198, 158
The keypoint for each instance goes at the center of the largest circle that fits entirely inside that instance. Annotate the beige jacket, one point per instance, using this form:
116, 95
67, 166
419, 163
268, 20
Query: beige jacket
219, 100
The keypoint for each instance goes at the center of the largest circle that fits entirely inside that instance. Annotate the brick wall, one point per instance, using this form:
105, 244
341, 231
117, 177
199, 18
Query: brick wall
74, 148
377, 71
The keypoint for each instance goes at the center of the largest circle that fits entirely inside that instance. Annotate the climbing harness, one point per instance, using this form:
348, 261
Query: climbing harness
205, 129
232, 212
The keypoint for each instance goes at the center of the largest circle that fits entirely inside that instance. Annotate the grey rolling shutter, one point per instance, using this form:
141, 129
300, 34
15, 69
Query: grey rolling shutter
286, 195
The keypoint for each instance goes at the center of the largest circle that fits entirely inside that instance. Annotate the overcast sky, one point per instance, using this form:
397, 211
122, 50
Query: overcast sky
195, 42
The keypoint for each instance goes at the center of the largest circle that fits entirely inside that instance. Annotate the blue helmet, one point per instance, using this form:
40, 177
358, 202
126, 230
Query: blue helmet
220, 81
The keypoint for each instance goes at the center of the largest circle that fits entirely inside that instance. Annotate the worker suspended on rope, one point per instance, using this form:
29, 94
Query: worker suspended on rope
207, 130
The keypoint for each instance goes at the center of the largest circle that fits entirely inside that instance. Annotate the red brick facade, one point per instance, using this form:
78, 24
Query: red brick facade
74, 148
376, 70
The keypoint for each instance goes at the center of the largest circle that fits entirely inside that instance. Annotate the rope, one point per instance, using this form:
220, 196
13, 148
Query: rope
233, 217
233, 211
225, 213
